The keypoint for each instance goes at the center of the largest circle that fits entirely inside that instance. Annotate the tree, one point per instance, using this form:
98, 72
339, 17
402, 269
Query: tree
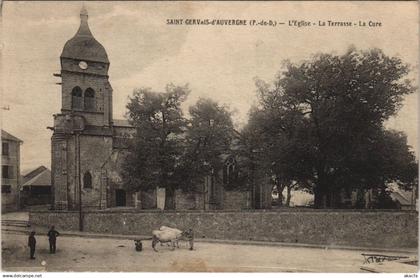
208, 137
252, 150
280, 136
390, 161
154, 154
330, 113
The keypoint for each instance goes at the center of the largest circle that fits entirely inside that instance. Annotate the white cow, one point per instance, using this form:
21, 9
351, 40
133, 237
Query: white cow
172, 235
176, 231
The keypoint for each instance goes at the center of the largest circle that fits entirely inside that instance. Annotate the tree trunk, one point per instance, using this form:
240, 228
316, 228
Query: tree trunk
320, 196
280, 189
169, 199
289, 195
280, 201
317, 197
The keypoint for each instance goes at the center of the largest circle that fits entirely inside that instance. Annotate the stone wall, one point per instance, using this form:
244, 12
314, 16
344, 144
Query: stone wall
148, 199
381, 229
236, 200
185, 200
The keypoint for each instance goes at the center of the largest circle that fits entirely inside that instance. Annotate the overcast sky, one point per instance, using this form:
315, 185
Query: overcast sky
217, 62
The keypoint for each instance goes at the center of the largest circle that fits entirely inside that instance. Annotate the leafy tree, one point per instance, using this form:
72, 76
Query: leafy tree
209, 135
390, 160
154, 154
280, 136
254, 163
328, 117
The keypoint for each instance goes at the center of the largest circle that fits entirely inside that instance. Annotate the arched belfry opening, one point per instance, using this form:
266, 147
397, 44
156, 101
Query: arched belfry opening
76, 98
89, 99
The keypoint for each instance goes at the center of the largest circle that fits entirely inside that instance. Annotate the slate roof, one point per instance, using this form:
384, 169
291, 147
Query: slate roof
122, 123
41, 176
27, 175
7, 136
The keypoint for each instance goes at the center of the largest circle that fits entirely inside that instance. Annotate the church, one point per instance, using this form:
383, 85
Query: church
88, 145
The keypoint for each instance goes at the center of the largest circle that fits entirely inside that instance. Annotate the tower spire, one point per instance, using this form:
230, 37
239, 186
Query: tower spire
84, 27
83, 12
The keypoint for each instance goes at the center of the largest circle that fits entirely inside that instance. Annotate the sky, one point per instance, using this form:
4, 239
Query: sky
220, 62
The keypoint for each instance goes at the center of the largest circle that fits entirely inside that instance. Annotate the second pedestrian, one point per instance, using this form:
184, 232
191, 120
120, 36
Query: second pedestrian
52, 238
32, 244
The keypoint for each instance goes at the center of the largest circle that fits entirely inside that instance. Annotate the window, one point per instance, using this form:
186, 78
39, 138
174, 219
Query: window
76, 98
229, 171
5, 148
7, 172
87, 180
6, 189
90, 99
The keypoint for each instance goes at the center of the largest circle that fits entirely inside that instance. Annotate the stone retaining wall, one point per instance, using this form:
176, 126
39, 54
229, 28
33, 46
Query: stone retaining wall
381, 229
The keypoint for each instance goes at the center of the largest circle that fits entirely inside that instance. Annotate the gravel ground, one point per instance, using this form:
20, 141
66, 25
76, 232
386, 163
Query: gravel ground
111, 255
108, 255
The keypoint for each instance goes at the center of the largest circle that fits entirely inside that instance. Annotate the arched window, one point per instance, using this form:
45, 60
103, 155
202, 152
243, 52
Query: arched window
76, 98
87, 180
90, 99
230, 172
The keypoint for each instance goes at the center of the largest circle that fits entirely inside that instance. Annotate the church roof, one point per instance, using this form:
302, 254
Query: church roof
83, 46
7, 136
122, 123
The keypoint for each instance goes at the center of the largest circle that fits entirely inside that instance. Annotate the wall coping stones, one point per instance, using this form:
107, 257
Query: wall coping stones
138, 211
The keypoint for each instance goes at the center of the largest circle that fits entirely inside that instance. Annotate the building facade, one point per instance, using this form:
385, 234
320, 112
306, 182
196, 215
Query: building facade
10, 171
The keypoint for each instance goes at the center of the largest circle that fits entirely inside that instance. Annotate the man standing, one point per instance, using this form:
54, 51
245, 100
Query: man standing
32, 244
52, 237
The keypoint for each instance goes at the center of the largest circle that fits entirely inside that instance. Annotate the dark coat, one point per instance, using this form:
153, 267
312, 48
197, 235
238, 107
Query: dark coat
53, 234
31, 241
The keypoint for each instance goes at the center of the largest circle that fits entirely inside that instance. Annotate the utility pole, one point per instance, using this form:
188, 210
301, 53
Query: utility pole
79, 180
78, 125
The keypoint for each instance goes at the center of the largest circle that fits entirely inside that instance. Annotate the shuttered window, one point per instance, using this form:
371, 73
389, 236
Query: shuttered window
7, 172
6, 189
5, 148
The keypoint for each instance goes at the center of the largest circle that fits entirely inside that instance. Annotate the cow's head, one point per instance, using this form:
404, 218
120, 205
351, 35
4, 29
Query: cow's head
188, 234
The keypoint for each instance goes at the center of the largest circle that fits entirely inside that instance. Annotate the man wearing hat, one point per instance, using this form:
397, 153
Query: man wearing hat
52, 238
32, 244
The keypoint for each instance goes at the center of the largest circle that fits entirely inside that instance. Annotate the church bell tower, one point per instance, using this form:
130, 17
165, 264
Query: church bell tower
82, 138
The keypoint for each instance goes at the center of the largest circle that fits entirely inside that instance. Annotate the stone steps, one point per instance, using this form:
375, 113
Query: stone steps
15, 223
